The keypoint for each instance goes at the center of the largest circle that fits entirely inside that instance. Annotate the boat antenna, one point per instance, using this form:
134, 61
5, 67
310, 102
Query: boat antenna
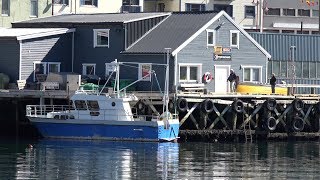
166, 86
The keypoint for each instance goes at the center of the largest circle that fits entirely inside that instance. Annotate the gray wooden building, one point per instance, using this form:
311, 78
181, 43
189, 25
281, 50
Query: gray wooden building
202, 43
304, 59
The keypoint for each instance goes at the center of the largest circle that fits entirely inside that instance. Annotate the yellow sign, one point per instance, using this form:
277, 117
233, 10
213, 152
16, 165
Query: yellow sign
218, 50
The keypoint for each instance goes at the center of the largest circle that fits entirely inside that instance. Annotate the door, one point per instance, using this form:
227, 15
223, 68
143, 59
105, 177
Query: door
221, 74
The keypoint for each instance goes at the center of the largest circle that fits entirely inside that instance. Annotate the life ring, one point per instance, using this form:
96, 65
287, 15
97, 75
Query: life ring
271, 104
238, 106
271, 123
207, 106
182, 105
297, 124
206, 78
298, 104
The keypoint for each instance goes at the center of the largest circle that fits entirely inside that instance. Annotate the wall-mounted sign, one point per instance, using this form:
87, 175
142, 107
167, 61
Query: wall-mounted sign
221, 57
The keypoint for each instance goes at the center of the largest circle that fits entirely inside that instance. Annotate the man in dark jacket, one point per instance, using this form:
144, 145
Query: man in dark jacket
273, 83
232, 78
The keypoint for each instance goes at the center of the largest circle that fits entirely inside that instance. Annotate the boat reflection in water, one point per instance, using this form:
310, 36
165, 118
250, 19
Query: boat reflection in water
100, 160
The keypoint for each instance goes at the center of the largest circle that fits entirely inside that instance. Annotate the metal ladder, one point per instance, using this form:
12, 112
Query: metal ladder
247, 132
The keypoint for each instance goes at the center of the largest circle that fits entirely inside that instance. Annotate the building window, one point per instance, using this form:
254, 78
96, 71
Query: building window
305, 70
39, 68
130, 2
315, 13
289, 12
250, 11
252, 73
33, 8
63, 2
298, 69
302, 32
110, 68
88, 69
276, 67
283, 69
5, 7
211, 37
315, 32
89, 2
189, 72
273, 11
227, 8
234, 38
53, 67
101, 37
195, 7
288, 31
313, 71
145, 71
304, 12
318, 70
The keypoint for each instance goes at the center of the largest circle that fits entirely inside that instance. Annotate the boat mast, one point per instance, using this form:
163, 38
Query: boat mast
118, 79
166, 86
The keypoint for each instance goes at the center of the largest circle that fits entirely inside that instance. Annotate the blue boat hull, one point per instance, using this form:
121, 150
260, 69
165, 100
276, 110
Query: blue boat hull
147, 131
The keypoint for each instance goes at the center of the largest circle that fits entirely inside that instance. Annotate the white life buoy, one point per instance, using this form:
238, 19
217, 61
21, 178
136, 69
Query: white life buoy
207, 77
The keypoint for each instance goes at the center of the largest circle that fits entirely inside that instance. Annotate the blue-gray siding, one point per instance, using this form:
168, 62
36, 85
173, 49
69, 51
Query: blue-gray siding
46, 49
247, 54
9, 58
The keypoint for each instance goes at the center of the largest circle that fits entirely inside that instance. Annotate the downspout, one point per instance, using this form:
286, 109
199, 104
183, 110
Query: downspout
72, 52
20, 58
125, 36
175, 72
266, 79
52, 6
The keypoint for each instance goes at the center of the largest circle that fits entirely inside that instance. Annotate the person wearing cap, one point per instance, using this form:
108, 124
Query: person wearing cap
273, 83
232, 79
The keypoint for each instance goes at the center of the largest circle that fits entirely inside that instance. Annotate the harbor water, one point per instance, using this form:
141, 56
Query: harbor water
56, 159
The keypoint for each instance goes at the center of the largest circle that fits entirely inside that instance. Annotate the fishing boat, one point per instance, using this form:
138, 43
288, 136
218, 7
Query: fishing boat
251, 88
97, 115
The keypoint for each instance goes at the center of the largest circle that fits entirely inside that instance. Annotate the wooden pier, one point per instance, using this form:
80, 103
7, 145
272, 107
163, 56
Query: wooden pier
209, 116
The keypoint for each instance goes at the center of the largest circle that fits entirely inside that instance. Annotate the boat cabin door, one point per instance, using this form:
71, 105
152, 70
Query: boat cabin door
221, 73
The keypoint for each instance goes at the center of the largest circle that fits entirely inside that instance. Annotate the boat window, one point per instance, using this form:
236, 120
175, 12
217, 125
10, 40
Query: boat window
56, 117
71, 105
113, 104
80, 105
71, 117
63, 117
94, 113
93, 105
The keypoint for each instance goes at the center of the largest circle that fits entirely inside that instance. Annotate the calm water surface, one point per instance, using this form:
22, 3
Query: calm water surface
70, 160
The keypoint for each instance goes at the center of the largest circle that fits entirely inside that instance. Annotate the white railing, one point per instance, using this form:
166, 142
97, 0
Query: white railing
43, 110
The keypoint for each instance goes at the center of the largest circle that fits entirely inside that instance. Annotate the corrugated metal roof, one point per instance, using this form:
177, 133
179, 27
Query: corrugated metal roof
171, 33
28, 33
278, 45
95, 18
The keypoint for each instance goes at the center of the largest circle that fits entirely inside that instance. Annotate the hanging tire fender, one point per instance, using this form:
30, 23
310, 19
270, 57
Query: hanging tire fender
271, 123
140, 106
207, 106
182, 105
297, 124
317, 107
271, 104
298, 104
238, 106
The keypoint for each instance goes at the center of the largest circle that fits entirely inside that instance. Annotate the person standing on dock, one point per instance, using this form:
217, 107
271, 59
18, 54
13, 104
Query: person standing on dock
232, 79
273, 83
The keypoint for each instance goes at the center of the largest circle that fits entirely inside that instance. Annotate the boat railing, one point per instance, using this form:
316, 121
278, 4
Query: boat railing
42, 110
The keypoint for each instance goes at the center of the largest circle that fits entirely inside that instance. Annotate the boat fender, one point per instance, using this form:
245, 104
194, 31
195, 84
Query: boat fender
238, 106
298, 104
297, 124
271, 104
206, 78
271, 123
207, 106
317, 107
140, 106
182, 105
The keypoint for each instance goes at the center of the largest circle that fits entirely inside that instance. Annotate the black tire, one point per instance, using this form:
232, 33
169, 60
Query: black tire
317, 107
182, 105
271, 104
207, 106
271, 123
298, 104
238, 106
297, 124
141, 106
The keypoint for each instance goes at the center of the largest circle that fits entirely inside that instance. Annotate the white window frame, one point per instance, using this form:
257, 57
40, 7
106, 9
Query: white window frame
252, 67
62, 2
188, 65
238, 37
31, 10
92, 3
148, 78
213, 36
34, 68
56, 63
84, 69
110, 67
5, 14
95, 34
